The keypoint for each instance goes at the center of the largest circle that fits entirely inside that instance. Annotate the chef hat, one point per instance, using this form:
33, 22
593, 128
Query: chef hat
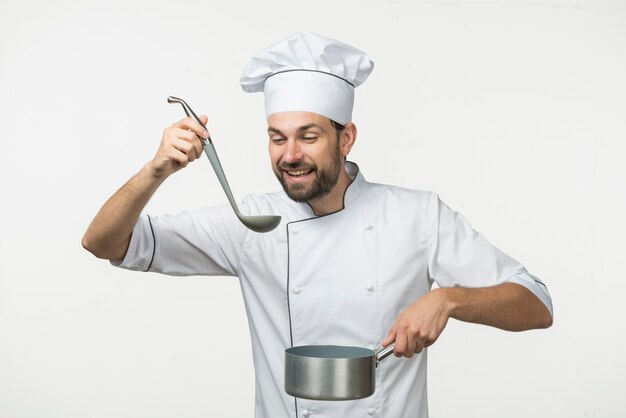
308, 72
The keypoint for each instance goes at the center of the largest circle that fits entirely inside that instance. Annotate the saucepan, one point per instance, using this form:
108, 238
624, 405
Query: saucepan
332, 372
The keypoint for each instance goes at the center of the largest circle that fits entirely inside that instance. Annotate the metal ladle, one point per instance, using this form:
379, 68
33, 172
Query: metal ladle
261, 223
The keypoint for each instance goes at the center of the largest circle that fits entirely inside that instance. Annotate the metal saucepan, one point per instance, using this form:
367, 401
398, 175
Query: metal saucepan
332, 372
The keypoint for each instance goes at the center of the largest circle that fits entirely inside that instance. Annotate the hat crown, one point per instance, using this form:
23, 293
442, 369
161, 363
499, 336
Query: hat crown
307, 51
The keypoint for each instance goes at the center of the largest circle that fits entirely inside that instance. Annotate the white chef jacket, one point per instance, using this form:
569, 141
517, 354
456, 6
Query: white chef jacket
338, 279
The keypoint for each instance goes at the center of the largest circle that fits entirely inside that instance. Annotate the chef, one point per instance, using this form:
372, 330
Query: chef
352, 262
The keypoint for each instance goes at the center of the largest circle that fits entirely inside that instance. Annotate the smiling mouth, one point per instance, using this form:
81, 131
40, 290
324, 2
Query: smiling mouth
298, 173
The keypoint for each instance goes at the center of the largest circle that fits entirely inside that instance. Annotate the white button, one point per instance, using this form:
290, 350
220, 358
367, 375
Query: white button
371, 411
296, 290
369, 227
306, 413
369, 287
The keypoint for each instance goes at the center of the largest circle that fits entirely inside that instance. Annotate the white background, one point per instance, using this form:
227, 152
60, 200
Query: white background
513, 111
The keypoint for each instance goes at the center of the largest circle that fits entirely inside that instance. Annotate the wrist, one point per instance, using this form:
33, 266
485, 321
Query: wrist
450, 299
147, 181
152, 173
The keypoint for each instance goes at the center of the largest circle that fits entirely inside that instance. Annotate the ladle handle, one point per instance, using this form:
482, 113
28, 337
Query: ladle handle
384, 353
209, 150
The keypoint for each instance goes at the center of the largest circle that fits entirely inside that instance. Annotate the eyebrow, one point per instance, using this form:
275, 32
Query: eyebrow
300, 129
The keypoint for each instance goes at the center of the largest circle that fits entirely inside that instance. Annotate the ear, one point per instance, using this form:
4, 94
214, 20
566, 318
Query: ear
347, 139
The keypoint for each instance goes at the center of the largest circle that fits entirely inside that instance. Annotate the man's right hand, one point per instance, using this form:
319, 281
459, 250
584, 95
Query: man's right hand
109, 234
180, 145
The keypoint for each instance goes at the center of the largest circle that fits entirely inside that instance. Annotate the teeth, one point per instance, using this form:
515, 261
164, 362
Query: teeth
298, 173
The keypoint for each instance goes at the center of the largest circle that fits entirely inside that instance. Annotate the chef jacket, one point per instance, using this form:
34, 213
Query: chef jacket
337, 279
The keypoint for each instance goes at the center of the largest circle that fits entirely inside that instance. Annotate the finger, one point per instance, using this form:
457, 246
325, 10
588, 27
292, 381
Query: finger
411, 345
174, 157
195, 141
391, 336
180, 157
186, 147
401, 343
176, 134
198, 145
419, 345
430, 340
190, 123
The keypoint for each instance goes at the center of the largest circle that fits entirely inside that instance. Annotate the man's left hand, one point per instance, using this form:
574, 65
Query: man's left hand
420, 324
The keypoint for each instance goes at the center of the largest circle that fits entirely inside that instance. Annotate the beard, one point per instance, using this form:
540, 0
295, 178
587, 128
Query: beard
324, 181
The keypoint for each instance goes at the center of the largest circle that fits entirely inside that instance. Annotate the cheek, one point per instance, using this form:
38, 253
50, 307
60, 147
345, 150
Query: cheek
276, 158
324, 154
274, 155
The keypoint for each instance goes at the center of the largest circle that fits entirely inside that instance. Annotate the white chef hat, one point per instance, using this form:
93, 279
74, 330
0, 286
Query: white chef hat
308, 72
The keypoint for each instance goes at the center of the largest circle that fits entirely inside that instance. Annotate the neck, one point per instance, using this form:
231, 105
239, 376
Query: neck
333, 201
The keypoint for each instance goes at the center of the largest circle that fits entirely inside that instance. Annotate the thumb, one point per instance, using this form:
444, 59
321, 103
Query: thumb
391, 337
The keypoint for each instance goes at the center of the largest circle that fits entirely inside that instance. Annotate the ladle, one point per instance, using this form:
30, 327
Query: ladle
261, 223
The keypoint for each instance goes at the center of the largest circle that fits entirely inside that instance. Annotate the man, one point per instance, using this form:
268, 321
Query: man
352, 262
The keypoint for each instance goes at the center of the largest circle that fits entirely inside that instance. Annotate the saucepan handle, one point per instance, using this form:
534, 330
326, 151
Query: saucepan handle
384, 353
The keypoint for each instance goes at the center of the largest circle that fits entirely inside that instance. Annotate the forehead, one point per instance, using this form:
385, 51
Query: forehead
291, 121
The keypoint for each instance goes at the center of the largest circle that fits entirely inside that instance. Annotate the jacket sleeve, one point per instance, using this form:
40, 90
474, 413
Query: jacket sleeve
206, 241
460, 256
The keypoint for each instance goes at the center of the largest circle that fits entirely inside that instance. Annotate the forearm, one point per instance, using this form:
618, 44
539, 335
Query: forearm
507, 306
109, 234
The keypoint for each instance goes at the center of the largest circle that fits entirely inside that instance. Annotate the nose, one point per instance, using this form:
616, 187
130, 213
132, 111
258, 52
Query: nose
293, 153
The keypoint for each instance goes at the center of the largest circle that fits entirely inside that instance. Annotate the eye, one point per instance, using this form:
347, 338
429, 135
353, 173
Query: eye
278, 140
309, 138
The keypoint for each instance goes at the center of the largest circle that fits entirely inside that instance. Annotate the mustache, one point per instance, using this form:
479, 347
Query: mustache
297, 166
